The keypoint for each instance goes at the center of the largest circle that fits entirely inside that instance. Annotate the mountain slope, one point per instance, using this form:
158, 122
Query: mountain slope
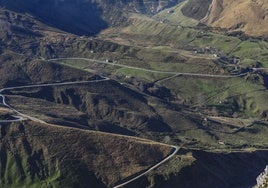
34, 154
85, 17
250, 16
173, 109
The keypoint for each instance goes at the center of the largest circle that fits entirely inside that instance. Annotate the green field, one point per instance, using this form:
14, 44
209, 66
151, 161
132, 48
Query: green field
175, 16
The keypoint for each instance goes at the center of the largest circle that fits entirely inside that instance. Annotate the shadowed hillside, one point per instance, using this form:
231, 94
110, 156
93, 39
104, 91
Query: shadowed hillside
85, 17
199, 169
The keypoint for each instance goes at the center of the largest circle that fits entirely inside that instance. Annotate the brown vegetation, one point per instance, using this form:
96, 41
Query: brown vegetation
101, 157
250, 16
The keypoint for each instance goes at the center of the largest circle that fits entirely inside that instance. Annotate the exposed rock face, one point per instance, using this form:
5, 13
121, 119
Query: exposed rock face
262, 180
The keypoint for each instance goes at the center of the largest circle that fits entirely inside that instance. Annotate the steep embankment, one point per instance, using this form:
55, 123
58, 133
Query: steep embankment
49, 156
85, 17
250, 16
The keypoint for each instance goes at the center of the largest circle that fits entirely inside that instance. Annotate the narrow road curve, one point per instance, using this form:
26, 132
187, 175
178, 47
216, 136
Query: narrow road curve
150, 169
149, 70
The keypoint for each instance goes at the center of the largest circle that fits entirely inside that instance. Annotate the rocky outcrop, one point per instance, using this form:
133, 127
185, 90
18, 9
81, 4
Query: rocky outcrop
262, 180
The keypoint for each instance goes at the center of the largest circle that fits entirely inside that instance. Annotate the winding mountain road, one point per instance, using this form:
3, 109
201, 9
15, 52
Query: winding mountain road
21, 117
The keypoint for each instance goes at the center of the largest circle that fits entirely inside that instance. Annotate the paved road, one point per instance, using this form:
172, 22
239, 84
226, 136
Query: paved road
256, 69
152, 71
54, 84
3, 98
150, 169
